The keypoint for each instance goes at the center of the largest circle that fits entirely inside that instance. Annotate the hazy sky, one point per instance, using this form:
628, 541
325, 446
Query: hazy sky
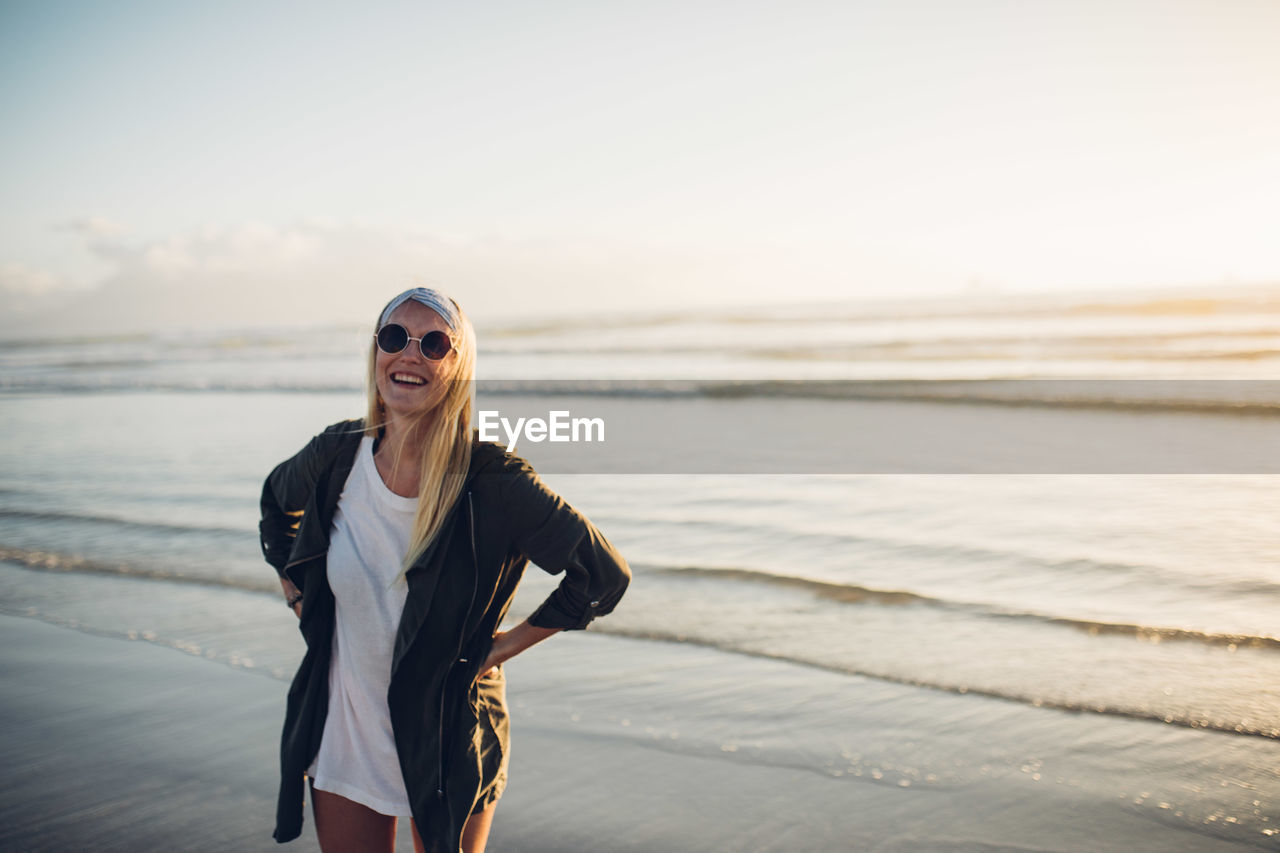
245, 162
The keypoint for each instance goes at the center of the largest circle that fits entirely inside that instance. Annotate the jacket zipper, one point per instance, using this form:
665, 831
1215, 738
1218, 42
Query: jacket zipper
462, 635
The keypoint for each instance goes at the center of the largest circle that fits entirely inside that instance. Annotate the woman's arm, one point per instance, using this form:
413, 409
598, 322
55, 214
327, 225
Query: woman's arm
284, 496
560, 540
292, 596
276, 532
508, 644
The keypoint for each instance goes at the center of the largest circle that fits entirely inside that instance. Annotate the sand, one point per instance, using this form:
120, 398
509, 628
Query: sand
122, 745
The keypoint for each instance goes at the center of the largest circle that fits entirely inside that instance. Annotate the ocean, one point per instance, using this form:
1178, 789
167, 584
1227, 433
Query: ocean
1141, 601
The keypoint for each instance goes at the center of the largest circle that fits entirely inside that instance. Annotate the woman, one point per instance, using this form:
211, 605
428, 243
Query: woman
400, 540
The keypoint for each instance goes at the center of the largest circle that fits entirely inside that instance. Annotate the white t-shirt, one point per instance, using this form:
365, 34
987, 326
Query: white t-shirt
370, 537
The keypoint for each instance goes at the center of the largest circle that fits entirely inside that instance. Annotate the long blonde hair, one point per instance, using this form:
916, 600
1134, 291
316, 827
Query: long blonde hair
447, 445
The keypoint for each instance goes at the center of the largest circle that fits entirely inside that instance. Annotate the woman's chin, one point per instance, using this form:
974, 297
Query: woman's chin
413, 405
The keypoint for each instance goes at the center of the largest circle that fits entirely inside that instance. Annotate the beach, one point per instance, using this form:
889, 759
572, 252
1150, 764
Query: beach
122, 745
921, 362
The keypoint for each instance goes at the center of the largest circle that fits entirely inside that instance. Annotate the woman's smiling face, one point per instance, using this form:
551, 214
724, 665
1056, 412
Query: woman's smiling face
408, 382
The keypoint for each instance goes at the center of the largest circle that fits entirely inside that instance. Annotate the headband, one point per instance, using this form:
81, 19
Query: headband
433, 299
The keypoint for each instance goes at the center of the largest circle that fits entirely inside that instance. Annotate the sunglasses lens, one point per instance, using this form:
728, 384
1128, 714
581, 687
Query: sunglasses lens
436, 345
392, 338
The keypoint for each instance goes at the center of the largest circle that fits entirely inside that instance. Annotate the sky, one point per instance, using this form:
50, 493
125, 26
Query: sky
259, 163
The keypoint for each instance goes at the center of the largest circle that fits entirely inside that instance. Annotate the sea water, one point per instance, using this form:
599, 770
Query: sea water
132, 468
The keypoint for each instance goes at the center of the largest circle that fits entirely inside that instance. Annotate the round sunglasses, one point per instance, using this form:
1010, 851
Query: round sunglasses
393, 338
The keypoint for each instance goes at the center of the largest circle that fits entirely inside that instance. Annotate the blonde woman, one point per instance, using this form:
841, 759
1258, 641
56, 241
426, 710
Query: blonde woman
400, 540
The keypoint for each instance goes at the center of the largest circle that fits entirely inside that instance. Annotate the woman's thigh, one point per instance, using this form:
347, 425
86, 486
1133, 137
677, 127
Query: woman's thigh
347, 827
475, 834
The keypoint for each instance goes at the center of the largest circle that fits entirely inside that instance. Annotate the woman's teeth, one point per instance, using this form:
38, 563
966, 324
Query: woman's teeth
406, 379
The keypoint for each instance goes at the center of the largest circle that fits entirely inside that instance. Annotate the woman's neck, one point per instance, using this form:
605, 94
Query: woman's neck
399, 454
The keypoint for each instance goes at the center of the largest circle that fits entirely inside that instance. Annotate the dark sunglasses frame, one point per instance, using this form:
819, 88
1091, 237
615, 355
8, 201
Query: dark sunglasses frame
434, 345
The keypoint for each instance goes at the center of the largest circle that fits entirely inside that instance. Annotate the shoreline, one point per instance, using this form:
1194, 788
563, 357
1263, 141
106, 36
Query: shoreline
667, 747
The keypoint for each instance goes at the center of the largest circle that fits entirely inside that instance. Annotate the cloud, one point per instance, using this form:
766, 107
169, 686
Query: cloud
21, 280
256, 274
91, 226
27, 292
325, 272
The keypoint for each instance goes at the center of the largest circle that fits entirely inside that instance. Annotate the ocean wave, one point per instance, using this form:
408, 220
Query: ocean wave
53, 385
950, 553
657, 635
845, 593
1114, 710
48, 561
1190, 346
231, 659
54, 561
142, 526
1212, 396
1220, 396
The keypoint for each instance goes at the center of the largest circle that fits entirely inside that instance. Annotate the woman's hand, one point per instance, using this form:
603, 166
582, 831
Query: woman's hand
508, 644
496, 655
292, 594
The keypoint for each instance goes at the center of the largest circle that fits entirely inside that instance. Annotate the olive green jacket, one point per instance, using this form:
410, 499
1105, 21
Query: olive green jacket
459, 591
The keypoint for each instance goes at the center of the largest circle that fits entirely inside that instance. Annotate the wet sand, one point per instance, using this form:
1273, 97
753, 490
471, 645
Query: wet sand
123, 745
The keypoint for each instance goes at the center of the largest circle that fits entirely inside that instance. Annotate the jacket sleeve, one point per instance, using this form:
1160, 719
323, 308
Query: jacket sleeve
286, 492
560, 540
